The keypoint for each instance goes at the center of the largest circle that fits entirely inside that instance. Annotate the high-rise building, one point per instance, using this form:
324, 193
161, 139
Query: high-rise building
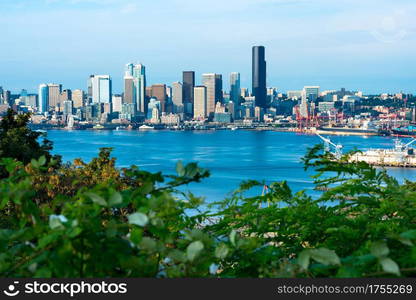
135, 86
66, 95
159, 92
101, 88
129, 91
54, 94
43, 98
117, 101
7, 97
67, 107
235, 91
311, 92
188, 90
209, 80
259, 76
78, 98
177, 93
139, 75
218, 88
200, 102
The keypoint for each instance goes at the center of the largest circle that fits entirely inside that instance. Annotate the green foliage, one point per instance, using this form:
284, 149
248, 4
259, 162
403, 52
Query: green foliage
19, 142
95, 220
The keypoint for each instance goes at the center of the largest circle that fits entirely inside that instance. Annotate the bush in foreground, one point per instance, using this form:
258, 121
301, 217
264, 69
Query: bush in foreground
95, 220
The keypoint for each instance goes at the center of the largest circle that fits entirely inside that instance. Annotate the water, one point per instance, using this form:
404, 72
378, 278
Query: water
231, 156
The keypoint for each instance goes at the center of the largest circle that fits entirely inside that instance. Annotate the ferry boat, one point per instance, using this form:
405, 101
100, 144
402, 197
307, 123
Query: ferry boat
146, 127
98, 127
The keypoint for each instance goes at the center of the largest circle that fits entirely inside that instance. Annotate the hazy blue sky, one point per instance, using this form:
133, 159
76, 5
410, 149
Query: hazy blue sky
362, 45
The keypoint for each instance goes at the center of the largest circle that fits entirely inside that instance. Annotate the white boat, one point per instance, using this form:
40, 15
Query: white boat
146, 127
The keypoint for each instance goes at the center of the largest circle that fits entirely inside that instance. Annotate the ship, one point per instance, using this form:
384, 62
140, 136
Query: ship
401, 155
365, 129
146, 127
98, 127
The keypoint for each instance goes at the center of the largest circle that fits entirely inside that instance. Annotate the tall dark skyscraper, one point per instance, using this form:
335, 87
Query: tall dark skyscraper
259, 76
218, 88
188, 86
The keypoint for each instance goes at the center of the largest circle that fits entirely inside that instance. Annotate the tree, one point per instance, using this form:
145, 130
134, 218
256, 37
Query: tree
18, 141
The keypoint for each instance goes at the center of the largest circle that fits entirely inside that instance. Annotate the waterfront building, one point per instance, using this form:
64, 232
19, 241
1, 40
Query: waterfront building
43, 98
232, 109
170, 119
220, 115
128, 111
235, 89
101, 88
78, 98
117, 101
259, 76
153, 103
188, 84
258, 113
200, 102
155, 116
209, 80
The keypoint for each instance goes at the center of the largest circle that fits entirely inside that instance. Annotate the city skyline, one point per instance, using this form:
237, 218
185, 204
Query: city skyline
359, 46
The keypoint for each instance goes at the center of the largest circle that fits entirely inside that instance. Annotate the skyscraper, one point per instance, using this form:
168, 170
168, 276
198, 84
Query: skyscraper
259, 76
101, 88
188, 83
218, 88
54, 94
209, 80
159, 92
139, 75
200, 102
177, 93
311, 92
43, 98
129, 91
78, 98
235, 91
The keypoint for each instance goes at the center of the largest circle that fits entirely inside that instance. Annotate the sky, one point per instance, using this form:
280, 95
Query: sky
360, 45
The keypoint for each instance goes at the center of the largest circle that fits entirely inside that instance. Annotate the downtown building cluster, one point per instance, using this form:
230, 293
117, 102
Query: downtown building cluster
189, 102
156, 103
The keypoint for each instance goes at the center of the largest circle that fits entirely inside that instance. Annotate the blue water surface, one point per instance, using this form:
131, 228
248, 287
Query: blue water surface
231, 156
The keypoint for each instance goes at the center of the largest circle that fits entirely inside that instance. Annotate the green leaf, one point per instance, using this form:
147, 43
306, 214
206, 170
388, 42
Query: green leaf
115, 199
42, 160
193, 249
232, 237
379, 249
390, 266
136, 235
221, 251
97, 199
325, 256
148, 244
138, 219
411, 234
304, 259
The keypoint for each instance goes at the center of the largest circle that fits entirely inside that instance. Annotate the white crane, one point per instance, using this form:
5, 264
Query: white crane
328, 143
